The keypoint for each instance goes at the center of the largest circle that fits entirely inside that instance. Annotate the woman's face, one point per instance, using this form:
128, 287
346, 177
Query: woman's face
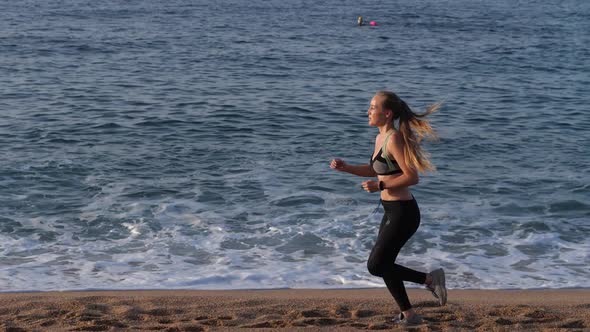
377, 115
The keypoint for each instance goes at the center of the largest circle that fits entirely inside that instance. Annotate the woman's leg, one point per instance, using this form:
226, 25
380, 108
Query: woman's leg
400, 222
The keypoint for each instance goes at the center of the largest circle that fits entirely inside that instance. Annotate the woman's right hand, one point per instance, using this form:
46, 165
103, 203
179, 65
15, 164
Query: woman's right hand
338, 164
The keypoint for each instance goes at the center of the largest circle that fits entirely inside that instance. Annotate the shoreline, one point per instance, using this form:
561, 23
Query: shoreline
291, 309
408, 287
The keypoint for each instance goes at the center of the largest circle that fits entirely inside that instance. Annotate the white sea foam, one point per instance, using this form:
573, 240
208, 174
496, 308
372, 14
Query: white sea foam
141, 261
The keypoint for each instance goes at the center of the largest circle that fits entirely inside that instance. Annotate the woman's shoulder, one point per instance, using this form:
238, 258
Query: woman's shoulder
396, 139
395, 135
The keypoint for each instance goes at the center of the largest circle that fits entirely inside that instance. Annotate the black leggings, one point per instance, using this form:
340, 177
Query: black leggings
399, 223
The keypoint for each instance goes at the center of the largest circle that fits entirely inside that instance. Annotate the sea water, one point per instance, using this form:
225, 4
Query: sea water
186, 144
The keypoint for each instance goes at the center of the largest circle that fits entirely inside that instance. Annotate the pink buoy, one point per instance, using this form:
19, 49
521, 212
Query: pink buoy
373, 23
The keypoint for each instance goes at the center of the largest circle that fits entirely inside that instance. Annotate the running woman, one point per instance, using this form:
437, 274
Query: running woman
396, 161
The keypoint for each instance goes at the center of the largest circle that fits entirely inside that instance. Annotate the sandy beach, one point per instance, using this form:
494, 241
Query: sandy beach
291, 310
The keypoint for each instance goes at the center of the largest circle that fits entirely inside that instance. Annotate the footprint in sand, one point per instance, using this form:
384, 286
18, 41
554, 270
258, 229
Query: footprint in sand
103, 308
155, 328
88, 315
574, 324
360, 313
92, 328
377, 326
441, 316
128, 312
539, 316
111, 323
504, 321
15, 329
48, 323
159, 312
319, 321
193, 328
314, 313
358, 325
340, 312
209, 322
262, 325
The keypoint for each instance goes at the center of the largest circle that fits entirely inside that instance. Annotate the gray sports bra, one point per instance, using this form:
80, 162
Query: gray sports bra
382, 164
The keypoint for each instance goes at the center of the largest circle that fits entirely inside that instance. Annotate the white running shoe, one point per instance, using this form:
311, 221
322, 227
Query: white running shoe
438, 287
402, 320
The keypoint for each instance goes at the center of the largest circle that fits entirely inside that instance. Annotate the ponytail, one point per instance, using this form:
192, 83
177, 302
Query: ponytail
413, 128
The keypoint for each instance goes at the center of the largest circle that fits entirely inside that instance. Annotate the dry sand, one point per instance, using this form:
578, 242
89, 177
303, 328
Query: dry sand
291, 310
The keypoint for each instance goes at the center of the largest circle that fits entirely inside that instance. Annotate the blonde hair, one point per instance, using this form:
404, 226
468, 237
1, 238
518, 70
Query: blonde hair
413, 127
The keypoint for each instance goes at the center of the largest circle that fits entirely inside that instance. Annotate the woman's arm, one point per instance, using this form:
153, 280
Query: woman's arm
359, 170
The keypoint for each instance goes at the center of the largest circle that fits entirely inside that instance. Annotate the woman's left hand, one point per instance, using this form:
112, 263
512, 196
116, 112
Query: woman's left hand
371, 186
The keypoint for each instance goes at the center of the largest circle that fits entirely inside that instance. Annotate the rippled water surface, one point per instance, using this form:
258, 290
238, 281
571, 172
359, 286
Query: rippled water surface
185, 144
